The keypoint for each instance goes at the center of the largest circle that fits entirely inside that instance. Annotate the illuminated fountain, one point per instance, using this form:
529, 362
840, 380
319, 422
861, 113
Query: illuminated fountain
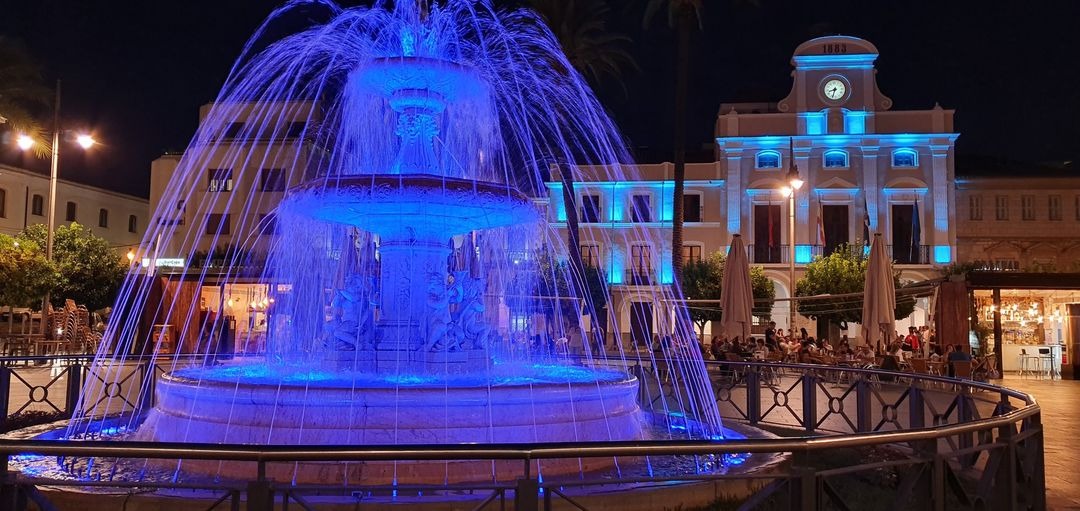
433, 135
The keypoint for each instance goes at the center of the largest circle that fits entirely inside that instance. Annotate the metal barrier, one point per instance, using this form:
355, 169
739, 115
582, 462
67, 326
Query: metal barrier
951, 444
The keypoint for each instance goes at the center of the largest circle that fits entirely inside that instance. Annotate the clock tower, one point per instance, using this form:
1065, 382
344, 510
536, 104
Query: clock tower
834, 88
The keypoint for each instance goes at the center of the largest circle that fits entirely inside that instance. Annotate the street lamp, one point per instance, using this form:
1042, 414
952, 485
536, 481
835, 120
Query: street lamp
25, 142
794, 183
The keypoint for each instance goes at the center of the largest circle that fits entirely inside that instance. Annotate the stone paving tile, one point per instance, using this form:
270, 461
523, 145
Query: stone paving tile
1060, 402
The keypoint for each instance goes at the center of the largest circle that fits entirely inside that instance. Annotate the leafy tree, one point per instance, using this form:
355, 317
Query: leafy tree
25, 274
597, 293
701, 281
22, 93
580, 27
544, 288
90, 271
842, 272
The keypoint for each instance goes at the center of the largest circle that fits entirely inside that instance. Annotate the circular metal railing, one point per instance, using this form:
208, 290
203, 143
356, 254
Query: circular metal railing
947, 430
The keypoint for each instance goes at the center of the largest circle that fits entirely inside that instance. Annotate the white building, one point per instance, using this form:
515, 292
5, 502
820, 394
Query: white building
225, 201
24, 201
861, 162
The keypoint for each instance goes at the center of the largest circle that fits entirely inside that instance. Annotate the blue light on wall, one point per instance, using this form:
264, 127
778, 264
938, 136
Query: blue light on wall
616, 266
667, 206
815, 123
848, 61
942, 254
854, 122
803, 254
866, 251
615, 212
560, 208
667, 272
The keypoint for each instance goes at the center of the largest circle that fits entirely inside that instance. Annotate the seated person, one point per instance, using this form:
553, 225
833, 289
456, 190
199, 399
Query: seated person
958, 354
935, 354
865, 354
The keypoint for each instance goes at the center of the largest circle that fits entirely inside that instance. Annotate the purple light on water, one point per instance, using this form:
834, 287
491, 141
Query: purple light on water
414, 291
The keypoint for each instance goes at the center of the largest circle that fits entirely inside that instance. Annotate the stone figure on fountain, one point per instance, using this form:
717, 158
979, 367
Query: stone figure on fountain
352, 324
437, 313
468, 319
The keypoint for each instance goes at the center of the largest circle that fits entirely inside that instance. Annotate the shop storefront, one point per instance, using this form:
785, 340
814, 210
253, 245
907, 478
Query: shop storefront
1032, 320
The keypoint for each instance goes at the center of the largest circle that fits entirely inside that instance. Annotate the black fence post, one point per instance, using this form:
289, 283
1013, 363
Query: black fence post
1004, 488
146, 392
5, 396
863, 413
809, 401
803, 487
525, 494
964, 414
260, 496
753, 394
916, 407
1037, 489
74, 388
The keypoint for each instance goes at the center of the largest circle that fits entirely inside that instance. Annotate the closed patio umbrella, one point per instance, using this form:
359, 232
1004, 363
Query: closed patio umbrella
879, 296
736, 293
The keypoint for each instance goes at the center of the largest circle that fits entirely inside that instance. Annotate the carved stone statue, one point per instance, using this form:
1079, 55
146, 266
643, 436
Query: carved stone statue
469, 325
352, 324
436, 313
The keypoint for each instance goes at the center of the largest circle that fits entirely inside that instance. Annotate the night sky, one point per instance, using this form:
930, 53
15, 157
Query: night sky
136, 72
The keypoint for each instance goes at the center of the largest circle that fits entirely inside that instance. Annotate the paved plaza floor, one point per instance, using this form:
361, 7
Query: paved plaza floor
1060, 402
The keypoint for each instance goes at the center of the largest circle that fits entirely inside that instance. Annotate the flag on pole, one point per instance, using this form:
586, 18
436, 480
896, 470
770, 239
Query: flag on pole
866, 223
820, 225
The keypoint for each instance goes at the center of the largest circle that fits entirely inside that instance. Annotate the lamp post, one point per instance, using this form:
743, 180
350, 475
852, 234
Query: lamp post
26, 142
794, 183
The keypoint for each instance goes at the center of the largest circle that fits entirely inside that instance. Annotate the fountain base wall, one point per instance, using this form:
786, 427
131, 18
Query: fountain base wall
208, 411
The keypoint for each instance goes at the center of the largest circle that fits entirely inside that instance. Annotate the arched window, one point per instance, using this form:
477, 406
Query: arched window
103, 217
37, 205
132, 223
767, 160
905, 158
835, 159
71, 211
3, 203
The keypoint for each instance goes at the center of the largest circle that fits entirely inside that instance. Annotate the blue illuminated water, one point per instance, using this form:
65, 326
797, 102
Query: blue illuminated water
407, 248
257, 373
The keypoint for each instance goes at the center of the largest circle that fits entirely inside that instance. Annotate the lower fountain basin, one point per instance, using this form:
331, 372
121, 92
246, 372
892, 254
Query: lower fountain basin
373, 411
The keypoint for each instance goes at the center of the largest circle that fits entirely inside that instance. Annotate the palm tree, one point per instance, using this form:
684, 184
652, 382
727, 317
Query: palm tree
22, 92
684, 16
595, 53
580, 26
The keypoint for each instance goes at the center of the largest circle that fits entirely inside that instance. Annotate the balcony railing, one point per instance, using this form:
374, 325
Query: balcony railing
640, 277
910, 254
768, 254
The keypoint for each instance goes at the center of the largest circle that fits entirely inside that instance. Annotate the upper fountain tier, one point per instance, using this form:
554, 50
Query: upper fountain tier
411, 206
419, 89
400, 78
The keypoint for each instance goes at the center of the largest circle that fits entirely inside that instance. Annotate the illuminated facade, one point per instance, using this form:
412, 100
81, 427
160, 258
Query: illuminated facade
24, 201
1022, 222
258, 184
862, 163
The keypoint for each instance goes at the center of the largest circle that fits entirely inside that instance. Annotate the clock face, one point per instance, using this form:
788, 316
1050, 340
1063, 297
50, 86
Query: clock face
834, 89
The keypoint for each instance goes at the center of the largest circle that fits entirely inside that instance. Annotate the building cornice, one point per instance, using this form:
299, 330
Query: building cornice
74, 184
